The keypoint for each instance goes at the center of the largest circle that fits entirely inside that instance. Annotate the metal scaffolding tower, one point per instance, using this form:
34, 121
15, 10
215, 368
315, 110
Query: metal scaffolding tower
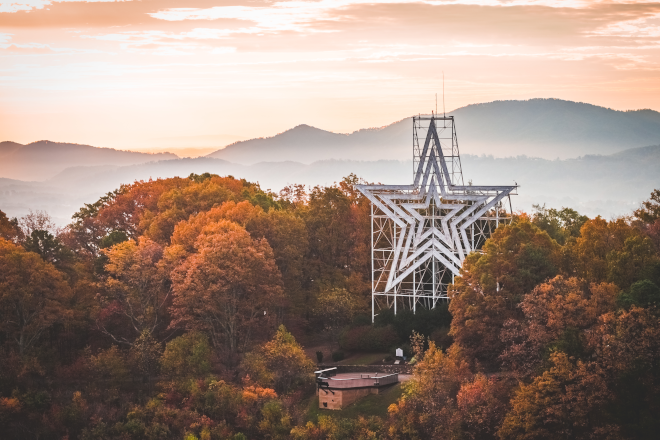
421, 233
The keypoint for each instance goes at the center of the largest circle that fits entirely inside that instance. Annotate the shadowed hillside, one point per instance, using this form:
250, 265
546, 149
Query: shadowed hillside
546, 128
552, 128
44, 159
309, 144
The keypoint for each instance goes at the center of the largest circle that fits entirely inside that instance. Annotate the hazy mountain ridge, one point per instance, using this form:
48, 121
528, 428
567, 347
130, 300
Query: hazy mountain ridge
44, 159
561, 125
607, 185
8, 147
601, 179
547, 128
307, 144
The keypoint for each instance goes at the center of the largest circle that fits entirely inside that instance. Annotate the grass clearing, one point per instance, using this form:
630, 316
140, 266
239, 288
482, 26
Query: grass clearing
371, 405
364, 359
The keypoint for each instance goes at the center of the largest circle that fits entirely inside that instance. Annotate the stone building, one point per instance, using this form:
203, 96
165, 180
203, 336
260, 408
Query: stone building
338, 390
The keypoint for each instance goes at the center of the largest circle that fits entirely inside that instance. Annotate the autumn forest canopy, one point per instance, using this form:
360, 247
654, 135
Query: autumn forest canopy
181, 308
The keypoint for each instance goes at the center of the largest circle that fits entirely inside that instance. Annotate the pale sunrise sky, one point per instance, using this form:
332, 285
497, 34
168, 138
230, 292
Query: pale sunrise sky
193, 73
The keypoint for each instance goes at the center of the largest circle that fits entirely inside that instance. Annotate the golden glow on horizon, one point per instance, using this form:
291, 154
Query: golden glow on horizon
167, 74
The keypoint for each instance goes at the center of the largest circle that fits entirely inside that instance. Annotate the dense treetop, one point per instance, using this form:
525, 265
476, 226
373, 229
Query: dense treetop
180, 308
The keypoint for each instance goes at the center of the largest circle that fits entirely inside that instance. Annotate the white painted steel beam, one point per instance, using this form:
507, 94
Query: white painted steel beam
419, 231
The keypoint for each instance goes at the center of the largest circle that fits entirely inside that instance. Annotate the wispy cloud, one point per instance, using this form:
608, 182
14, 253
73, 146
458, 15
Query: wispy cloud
168, 43
5, 38
642, 27
299, 16
28, 5
205, 65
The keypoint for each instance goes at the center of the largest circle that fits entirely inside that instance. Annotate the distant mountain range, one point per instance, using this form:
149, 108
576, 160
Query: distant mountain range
44, 159
609, 185
545, 128
607, 166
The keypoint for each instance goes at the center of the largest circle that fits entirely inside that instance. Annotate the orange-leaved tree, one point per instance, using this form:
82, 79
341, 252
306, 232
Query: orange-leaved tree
117, 211
567, 401
136, 293
186, 232
33, 296
514, 260
626, 346
481, 406
556, 315
178, 204
284, 231
9, 229
228, 288
338, 224
287, 235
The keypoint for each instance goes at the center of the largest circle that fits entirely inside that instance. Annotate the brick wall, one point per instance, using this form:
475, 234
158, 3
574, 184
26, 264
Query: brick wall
341, 398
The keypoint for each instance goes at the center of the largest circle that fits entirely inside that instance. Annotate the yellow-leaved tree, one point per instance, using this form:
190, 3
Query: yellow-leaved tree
427, 408
280, 363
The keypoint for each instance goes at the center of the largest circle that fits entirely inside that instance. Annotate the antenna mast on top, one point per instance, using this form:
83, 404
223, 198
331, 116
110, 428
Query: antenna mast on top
443, 95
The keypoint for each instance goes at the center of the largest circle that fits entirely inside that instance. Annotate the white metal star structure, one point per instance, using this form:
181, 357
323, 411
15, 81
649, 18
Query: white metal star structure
421, 233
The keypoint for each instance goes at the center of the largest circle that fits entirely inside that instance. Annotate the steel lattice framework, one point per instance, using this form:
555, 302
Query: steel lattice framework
421, 233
